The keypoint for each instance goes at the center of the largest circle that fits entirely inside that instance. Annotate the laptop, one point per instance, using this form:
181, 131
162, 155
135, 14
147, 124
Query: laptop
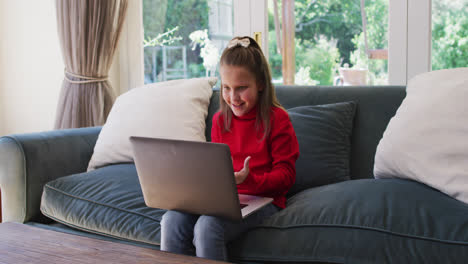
191, 176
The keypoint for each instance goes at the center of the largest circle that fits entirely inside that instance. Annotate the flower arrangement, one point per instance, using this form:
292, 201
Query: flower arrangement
209, 52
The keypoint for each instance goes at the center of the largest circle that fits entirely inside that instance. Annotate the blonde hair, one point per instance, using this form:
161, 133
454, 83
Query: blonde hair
251, 58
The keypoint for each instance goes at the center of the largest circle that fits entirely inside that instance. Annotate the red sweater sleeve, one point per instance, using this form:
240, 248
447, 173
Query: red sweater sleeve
284, 153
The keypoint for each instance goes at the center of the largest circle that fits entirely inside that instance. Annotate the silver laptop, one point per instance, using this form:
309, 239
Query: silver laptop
192, 177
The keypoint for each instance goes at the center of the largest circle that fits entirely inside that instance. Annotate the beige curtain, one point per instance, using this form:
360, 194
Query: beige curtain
89, 32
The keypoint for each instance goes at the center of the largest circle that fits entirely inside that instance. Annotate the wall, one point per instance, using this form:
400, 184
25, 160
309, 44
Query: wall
31, 66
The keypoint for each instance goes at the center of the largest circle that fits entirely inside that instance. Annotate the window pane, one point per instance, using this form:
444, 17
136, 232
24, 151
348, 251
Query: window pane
184, 38
449, 34
330, 44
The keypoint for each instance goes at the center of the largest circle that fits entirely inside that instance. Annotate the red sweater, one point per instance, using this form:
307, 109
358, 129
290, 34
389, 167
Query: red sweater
272, 163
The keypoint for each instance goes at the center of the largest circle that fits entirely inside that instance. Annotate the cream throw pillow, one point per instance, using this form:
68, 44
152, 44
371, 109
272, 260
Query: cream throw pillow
174, 109
427, 139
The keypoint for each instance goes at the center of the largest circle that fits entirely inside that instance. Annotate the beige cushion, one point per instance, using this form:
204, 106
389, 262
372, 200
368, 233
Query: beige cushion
174, 109
427, 139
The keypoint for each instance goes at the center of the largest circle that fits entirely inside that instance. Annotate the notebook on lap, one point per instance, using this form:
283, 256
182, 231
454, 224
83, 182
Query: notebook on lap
192, 177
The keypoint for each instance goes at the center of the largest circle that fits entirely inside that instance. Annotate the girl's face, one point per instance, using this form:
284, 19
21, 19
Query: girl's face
240, 90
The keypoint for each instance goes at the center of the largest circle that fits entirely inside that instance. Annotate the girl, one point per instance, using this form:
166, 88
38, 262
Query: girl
263, 147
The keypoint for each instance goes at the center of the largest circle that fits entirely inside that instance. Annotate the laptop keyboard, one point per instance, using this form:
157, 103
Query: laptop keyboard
243, 205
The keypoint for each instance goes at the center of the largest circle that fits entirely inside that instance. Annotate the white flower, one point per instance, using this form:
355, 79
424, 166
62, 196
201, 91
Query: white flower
208, 51
198, 37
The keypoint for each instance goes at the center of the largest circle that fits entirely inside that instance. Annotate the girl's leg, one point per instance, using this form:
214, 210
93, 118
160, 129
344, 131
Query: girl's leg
177, 232
211, 234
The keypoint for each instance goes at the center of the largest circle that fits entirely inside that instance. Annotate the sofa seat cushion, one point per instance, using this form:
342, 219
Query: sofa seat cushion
396, 220
106, 201
362, 221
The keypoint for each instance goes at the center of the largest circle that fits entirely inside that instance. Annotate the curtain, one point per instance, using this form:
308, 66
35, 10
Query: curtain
89, 31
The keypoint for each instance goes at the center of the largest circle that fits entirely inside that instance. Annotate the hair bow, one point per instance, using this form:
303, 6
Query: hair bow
245, 42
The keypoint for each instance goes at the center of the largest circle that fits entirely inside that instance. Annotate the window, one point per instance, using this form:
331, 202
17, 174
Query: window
449, 34
184, 38
336, 42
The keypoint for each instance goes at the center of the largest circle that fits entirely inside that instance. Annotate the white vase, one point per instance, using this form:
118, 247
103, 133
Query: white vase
350, 76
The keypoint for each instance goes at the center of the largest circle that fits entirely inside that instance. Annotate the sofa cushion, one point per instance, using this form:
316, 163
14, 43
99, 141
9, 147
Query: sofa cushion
397, 220
324, 136
426, 140
106, 201
174, 109
362, 221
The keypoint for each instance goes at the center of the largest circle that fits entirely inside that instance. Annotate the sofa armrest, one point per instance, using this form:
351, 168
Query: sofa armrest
29, 161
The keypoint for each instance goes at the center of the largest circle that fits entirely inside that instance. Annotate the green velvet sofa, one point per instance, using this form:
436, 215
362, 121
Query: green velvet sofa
44, 183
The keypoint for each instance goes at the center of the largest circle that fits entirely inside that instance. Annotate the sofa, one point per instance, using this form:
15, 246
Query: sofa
360, 220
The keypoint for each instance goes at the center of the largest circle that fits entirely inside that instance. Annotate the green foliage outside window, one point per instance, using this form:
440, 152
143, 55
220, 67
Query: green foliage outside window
328, 35
449, 34
162, 16
336, 20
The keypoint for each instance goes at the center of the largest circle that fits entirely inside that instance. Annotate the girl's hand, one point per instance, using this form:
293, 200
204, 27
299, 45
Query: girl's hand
242, 174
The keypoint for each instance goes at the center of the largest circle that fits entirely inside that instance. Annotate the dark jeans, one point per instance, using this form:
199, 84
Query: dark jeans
207, 236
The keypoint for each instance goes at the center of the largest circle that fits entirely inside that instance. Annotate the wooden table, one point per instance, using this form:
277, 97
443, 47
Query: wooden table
21, 243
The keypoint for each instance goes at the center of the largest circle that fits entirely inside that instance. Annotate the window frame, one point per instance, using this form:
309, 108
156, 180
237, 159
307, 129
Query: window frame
409, 40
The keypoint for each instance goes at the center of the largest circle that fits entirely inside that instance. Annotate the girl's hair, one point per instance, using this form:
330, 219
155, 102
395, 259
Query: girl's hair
250, 57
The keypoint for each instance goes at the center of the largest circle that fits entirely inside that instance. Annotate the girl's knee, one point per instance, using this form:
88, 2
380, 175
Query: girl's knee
174, 218
209, 225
